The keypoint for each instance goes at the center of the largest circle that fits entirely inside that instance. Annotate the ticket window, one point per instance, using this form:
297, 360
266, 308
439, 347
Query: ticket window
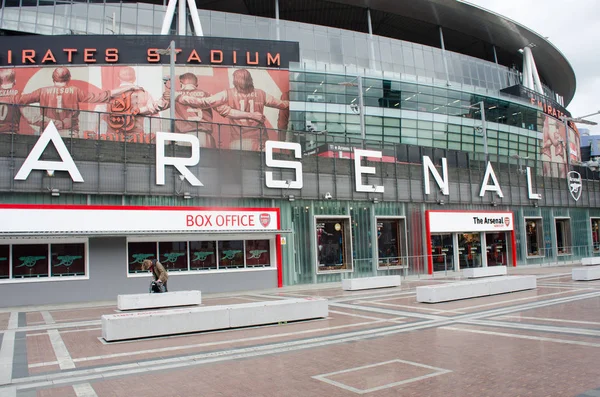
497, 253
442, 252
469, 250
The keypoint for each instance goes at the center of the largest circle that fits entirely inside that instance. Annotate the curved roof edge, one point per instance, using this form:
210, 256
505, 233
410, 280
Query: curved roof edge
494, 28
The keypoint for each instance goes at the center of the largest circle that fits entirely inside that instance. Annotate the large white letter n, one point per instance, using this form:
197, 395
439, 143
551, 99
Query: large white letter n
33, 162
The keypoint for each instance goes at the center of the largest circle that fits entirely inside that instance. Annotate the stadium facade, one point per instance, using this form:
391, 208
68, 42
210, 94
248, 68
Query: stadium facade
279, 143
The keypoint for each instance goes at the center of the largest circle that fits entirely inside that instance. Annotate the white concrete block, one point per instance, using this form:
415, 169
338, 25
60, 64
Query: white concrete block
146, 324
353, 284
489, 271
153, 301
163, 322
474, 288
586, 273
269, 312
591, 261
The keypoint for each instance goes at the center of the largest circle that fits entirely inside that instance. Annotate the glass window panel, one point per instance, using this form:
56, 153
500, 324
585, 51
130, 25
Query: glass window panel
563, 236
258, 253
4, 261
30, 260
173, 255
533, 234
67, 259
231, 254
203, 255
137, 252
333, 244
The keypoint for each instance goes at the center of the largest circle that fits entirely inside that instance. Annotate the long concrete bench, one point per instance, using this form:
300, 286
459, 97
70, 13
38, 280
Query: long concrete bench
477, 272
474, 288
353, 284
586, 273
153, 301
146, 324
591, 261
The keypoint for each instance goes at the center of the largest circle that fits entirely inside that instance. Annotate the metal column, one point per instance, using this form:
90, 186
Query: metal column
444, 56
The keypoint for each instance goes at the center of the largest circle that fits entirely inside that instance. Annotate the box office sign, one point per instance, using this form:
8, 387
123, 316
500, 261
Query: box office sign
108, 219
116, 49
453, 221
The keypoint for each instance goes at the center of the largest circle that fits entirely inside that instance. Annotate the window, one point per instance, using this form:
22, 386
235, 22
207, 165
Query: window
231, 254
563, 236
533, 231
173, 255
137, 252
67, 259
334, 244
595, 238
43, 259
30, 260
4, 261
258, 253
391, 242
203, 255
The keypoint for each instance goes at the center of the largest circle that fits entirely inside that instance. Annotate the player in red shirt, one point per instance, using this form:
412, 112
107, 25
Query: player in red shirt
10, 112
197, 120
243, 97
61, 102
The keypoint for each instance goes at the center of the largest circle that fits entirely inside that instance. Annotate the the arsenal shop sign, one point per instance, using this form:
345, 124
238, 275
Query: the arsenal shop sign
109, 219
114, 49
456, 221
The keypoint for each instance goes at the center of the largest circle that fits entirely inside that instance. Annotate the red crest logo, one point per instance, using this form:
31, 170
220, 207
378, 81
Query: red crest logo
507, 221
265, 219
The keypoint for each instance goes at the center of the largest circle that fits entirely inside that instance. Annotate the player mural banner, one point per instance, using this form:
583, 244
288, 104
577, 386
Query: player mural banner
229, 92
126, 103
554, 149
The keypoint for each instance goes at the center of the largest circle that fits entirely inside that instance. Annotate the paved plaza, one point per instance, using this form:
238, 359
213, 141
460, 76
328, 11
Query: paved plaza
543, 342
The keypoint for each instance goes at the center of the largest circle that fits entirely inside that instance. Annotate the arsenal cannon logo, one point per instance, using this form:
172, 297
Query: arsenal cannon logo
574, 179
265, 219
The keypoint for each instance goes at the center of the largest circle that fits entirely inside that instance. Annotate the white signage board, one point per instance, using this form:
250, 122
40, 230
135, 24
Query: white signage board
23, 219
455, 221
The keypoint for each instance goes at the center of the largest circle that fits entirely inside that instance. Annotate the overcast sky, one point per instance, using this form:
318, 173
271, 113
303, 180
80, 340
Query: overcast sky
574, 28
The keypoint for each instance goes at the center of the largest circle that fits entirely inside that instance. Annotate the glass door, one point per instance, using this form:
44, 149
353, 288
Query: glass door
442, 252
497, 252
469, 250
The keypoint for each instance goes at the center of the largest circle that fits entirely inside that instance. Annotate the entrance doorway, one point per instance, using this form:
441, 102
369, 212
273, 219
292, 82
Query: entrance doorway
497, 253
469, 250
442, 244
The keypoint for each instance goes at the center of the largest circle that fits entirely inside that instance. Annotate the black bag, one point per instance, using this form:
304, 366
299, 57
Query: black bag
155, 288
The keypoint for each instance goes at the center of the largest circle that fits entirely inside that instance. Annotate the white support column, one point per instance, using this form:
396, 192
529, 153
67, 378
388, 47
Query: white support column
531, 78
182, 18
444, 56
195, 18
166, 26
277, 19
372, 61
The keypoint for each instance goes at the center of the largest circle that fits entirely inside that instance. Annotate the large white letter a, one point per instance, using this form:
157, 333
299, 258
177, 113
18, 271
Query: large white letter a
33, 162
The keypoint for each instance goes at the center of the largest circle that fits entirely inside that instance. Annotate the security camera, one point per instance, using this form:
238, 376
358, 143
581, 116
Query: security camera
328, 196
310, 127
354, 108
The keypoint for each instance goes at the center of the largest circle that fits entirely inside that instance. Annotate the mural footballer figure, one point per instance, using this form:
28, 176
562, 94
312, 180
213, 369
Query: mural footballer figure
61, 102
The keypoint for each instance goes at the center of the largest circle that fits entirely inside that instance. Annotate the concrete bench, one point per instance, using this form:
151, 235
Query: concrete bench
153, 301
489, 271
353, 284
474, 288
586, 273
591, 261
146, 324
